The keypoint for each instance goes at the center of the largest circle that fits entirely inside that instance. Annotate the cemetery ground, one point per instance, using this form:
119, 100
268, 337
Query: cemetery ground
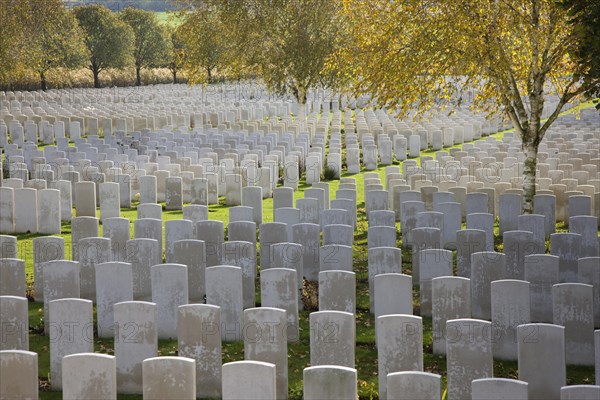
298, 353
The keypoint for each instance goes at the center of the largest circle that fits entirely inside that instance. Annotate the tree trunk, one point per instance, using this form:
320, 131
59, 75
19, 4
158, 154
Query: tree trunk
174, 76
96, 78
43, 80
300, 94
209, 74
138, 79
529, 171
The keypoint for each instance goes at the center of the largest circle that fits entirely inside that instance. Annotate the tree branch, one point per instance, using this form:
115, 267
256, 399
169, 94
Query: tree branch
565, 98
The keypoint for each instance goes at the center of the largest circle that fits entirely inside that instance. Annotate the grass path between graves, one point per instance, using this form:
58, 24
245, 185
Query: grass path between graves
299, 353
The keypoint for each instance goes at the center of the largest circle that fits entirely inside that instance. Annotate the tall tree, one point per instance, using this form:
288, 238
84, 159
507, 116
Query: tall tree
287, 42
415, 53
585, 17
204, 38
152, 45
108, 39
49, 47
16, 24
177, 56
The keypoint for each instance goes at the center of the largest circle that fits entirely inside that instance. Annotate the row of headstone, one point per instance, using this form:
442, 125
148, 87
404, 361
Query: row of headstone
197, 372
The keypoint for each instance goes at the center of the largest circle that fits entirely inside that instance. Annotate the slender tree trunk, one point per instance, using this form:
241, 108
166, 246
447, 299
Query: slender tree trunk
529, 171
209, 74
301, 97
43, 80
174, 76
96, 78
138, 79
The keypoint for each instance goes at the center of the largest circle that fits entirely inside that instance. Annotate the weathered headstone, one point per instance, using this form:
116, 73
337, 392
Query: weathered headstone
399, 346
337, 291
169, 291
587, 227
265, 339
517, 245
14, 323
509, 211
572, 305
278, 289
213, 235
510, 307
468, 342
423, 239
484, 222
589, 273
71, 331
174, 193
47, 248
224, 289
149, 210
542, 345
92, 251
169, 377
82, 227
498, 389
541, 271
61, 280
414, 385
9, 247
249, 380
114, 284
176, 230
48, 212
85, 199
12, 277
118, 231
535, 224
433, 263
580, 392
19, 374
567, 247
7, 210
198, 333
308, 235
451, 299
110, 201
87, 376
486, 266
468, 241
329, 382
136, 339
382, 260
545, 204
332, 338
142, 254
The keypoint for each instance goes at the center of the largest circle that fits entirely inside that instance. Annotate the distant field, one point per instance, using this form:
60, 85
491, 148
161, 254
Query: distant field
168, 18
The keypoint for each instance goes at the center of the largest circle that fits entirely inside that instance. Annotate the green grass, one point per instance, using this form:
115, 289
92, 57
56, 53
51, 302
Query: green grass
169, 18
298, 353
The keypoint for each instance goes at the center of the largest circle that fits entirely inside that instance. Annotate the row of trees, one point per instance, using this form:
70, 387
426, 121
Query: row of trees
42, 35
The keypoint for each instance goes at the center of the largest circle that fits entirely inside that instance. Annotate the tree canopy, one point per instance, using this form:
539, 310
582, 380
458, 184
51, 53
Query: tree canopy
205, 42
286, 42
513, 54
177, 56
152, 46
585, 17
109, 40
14, 16
49, 47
